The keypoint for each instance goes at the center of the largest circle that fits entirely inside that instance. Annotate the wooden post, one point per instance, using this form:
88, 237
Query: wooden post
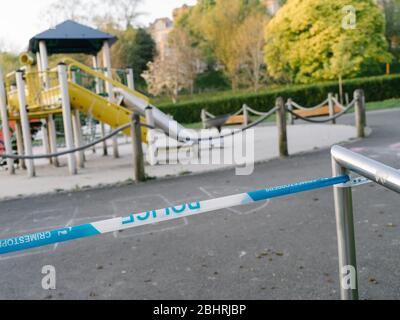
246, 115
360, 113
290, 108
138, 161
282, 128
204, 118
331, 107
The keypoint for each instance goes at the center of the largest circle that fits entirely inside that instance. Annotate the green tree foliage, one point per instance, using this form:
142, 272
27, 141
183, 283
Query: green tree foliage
8, 62
137, 50
391, 10
214, 25
309, 40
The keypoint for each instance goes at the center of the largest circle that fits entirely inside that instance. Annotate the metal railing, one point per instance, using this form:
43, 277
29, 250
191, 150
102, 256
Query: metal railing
343, 162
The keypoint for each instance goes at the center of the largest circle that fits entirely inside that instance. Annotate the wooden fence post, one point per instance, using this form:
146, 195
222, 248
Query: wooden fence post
331, 107
138, 161
360, 112
282, 128
290, 108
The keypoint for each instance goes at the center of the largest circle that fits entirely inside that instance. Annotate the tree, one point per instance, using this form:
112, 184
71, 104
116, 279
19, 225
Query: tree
302, 40
8, 62
60, 10
177, 71
138, 49
124, 12
391, 10
249, 45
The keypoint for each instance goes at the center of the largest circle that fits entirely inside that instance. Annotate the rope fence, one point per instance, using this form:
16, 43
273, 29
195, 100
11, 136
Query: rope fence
281, 110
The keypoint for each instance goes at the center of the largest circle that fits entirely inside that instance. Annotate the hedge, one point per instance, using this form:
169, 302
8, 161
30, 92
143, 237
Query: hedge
376, 89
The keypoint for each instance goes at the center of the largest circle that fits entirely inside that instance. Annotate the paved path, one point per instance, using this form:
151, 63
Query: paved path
107, 170
282, 249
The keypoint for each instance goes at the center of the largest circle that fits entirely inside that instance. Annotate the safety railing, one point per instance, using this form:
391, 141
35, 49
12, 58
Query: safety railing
344, 162
42, 93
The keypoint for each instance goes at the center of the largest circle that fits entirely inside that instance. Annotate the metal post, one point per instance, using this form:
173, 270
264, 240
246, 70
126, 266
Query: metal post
331, 107
282, 128
44, 62
96, 66
131, 79
108, 73
345, 236
77, 129
53, 138
46, 142
5, 125
26, 130
138, 163
360, 113
290, 108
20, 144
246, 115
66, 107
151, 147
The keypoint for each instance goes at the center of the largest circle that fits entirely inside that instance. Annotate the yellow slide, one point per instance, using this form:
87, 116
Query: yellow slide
101, 109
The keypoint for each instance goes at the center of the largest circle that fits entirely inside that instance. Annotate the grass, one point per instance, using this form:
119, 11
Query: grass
371, 106
387, 104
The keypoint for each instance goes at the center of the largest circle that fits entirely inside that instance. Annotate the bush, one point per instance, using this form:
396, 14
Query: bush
376, 89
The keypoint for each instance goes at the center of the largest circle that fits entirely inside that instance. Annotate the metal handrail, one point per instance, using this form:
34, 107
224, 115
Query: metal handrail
73, 63
343, 162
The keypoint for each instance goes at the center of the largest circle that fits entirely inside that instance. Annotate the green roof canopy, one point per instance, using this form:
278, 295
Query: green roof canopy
71, 37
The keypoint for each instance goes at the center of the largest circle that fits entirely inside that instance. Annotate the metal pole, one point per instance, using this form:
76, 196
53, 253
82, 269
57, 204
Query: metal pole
53, 138
360, 113
131, 79
151, 147
20, 143
66, 107
46, 142
26, 130
96, 66
138, 163
44, 62
282, 128
77, 129
345, 237
108, 73
5, 125
331, 107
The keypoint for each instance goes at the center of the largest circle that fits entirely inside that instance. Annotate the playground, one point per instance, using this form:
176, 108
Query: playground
232, 238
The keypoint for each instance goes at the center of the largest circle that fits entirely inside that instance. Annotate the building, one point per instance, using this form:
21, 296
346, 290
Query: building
160, 30
272, 6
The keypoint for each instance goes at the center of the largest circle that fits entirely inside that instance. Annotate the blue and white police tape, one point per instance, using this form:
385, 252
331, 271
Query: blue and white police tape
41, 239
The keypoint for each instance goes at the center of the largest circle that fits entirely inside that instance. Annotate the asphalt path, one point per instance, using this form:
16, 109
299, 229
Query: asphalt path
281, 249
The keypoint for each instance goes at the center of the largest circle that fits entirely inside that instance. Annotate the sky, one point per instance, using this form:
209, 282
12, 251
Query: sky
20, 20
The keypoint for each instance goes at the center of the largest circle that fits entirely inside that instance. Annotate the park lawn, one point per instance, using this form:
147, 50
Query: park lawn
371, 106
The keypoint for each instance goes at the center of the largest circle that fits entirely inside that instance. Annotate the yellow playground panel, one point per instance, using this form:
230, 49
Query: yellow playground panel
43, 96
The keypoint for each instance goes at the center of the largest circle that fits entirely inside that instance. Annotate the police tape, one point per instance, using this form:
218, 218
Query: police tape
46, 238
